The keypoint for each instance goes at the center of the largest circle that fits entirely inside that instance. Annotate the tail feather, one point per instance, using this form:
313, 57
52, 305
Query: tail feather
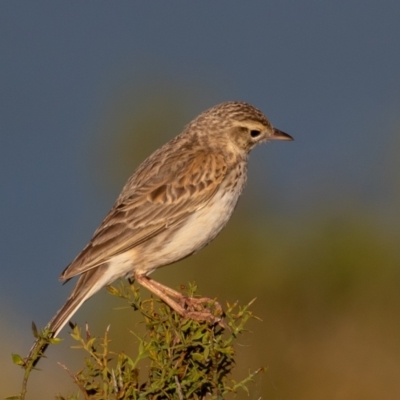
88, 284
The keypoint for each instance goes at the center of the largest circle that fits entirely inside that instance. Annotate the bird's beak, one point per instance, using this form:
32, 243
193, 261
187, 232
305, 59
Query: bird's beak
279, 135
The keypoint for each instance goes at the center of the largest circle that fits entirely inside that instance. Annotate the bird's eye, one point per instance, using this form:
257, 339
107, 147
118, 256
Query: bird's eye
255, 133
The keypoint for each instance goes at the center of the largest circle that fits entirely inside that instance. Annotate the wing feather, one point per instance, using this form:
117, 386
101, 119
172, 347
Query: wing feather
146, 208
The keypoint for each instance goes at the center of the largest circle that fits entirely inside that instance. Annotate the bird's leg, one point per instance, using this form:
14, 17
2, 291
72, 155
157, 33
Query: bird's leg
191, 302
167, 290
163, 292
149, 284
183, 298
179, 296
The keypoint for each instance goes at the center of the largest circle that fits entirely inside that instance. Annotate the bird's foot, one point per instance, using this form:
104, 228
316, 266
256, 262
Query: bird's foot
198, 309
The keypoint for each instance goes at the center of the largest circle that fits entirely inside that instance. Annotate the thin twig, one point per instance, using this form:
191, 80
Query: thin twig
180, 395
74, 378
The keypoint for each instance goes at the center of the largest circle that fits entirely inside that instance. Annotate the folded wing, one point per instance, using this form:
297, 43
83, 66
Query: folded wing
148, 205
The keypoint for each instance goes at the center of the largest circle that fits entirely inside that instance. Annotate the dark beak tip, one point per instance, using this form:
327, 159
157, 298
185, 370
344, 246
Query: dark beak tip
280, 135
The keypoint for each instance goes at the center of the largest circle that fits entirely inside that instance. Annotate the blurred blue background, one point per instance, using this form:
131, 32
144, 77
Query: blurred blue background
89, 89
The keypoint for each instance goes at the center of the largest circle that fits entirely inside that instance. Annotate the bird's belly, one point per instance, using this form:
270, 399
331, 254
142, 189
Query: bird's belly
194, 233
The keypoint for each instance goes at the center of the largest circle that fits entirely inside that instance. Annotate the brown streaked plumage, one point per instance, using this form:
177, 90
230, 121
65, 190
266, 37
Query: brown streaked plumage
175, 203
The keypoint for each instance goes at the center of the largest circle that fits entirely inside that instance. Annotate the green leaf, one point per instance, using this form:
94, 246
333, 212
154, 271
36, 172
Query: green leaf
35, 331
197, 356
114, 291
17, 359
206, 353
55, 340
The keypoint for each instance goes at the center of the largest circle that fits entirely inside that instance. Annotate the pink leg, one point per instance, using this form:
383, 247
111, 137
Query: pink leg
163, 292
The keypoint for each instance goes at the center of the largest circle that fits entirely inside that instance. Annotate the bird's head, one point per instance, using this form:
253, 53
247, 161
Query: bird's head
250, 127
239, 124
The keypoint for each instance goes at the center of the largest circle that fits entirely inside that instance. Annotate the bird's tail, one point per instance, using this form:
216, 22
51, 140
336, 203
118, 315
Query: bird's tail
88, 284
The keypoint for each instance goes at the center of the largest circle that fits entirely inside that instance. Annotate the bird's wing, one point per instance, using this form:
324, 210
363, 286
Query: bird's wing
173, 191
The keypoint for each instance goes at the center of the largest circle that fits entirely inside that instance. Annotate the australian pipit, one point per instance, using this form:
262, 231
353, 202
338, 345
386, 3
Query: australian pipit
176, 202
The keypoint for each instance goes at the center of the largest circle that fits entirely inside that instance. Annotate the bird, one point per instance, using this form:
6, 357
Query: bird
175, 203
